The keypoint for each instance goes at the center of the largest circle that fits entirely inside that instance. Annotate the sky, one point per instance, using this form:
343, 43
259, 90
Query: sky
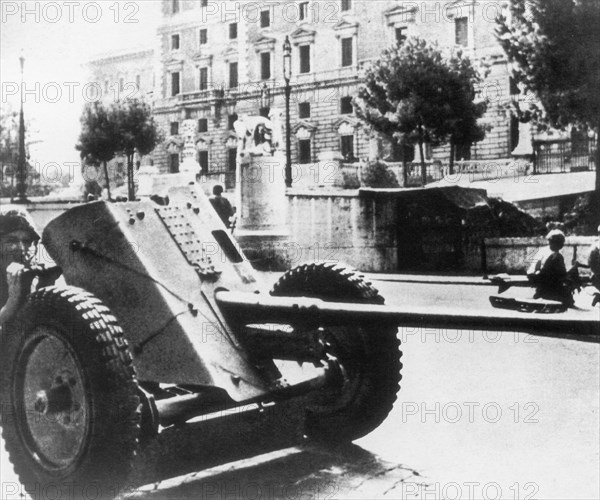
57, 38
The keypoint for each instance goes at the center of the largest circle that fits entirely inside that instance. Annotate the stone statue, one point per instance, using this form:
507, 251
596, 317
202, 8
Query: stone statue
257, 135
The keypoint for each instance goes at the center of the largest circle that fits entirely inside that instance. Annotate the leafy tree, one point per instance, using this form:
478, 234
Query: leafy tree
413, 95
98, 140
554, 46
136, 131
378, 175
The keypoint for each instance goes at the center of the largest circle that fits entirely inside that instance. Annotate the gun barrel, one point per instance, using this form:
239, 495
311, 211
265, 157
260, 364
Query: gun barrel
258, 308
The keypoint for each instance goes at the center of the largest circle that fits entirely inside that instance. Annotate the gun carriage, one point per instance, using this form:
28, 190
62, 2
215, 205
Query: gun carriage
163, 319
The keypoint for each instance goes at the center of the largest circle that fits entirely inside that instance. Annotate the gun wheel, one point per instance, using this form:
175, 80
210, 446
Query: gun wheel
69, 395
368, 358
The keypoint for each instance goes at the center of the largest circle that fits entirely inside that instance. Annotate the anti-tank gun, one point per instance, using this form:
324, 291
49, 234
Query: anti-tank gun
163, 320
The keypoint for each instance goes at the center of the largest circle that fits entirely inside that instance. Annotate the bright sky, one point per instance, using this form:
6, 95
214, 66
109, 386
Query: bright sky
57, 38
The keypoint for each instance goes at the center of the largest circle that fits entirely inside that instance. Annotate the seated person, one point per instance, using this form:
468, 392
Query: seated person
18, 246
549, 272
221, 205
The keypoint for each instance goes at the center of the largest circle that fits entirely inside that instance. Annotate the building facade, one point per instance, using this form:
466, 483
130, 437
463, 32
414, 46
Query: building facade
220, 60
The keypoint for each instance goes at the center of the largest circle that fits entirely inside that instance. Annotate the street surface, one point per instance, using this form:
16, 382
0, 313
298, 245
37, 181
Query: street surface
479, 415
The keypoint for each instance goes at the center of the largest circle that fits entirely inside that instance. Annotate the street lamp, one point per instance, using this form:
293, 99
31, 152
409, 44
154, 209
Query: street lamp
22, 163
287, 73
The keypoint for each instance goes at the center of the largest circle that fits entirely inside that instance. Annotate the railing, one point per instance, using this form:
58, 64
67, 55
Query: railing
561, 156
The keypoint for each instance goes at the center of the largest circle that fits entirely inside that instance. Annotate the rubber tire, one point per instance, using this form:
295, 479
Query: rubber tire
96, 340
371, 355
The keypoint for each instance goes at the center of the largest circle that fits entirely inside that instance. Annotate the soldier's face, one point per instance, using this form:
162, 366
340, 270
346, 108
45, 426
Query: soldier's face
17, 246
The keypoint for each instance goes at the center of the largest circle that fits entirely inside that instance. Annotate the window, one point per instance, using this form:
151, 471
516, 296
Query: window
347, 147
304, 153
400, 35
231, 159
346, 105
203, 125
514, 86
303, 11
346, 5
175, 6
233, 31
265, 19
231, 119
265, 65
174, 163
174, 42
175, 83
347, 52
513, 132
203, 160
233, 75
203, 36
304, 58
203, 78
264, 112
304, 110
174, 128
461, 31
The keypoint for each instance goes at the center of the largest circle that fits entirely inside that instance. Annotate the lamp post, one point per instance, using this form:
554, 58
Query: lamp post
22, 163
287, 73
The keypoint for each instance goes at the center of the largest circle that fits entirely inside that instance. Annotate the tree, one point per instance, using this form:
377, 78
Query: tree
136, 131
98, 139
554, 47
413, 94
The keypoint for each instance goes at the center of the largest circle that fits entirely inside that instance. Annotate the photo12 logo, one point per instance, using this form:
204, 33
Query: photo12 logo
68, 12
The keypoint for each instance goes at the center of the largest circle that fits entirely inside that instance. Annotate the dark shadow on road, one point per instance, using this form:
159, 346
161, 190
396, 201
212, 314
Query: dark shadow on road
259, 455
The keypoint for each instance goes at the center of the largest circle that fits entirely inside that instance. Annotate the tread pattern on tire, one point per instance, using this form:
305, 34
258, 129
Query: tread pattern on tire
380, 372
115, 410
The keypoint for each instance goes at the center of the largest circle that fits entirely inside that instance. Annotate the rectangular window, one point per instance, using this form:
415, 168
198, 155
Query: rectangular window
203, 36
174, 128
175, 6
304, 58
346, 5
233, 75
203, 125
232, 31
346, 105
347, 147
264, 112
462, 152
304, 153
347, 52
303, 11
203, 160
175, 83
304, 110
203, 78
231, 119
174, 42
400, 35
265, 65
265, 19
231, 159
174, 163
461, 31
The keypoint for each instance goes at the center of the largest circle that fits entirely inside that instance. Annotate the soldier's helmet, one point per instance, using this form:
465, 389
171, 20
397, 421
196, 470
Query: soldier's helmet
14, 219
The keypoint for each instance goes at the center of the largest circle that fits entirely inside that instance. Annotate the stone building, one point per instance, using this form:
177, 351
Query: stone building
127, 74
221, 60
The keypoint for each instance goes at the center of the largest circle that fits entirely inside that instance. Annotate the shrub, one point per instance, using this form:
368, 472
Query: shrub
378, 175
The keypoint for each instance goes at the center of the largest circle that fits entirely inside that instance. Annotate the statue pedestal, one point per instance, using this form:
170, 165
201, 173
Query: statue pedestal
262, 228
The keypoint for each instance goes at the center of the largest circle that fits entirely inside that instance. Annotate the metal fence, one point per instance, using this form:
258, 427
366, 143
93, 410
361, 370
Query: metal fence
561, 156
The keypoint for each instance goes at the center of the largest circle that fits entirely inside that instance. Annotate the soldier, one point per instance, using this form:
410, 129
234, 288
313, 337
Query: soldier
18, 246
221, 205
549, 272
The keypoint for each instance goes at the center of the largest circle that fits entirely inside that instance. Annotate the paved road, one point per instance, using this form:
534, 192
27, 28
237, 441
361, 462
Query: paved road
479, 415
